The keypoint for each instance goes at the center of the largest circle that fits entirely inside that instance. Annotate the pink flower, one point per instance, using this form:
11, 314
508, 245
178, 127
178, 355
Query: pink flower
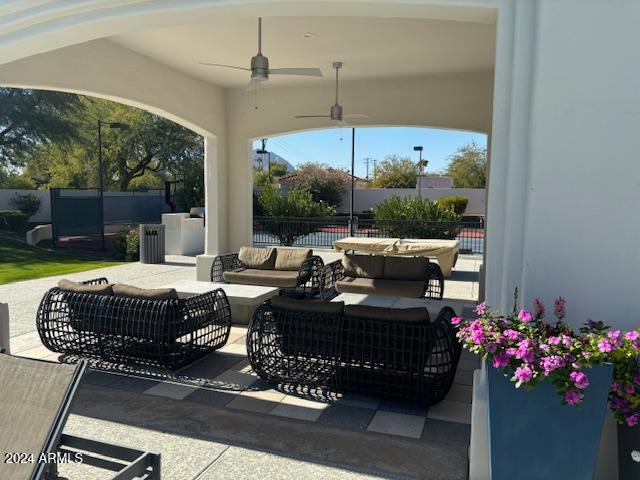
477, 337
492, 347
544, 347
481, 308
511, 334
559, 308
566, 340
632, 420
573, 397
512, 351
500, 360
538, 308
605, 346
523, 374
553, 340
549, 364
525, 316
632, 335
614, 337
456, 320
579, 379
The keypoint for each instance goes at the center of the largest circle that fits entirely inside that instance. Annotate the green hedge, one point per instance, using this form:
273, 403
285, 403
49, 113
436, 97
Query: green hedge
457, 203
13, 220
126, 245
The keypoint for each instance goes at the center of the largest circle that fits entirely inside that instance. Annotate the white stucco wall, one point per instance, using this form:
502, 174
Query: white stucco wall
43, 215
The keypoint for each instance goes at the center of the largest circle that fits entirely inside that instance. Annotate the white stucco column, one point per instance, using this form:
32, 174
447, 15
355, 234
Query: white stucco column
216, 204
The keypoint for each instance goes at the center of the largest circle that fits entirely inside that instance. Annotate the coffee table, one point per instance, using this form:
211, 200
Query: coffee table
243, 299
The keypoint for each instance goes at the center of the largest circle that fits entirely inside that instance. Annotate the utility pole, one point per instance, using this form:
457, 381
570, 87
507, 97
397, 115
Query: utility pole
367, 160
419, 148
353, 161
375, 162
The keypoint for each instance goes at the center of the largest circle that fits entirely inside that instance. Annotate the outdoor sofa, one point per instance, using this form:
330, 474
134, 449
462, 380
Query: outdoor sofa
122, 323
295, 271
414, 277
35, 401
327, 346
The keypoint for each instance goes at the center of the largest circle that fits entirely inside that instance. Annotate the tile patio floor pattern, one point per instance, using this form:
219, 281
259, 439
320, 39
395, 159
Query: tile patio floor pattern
225, 379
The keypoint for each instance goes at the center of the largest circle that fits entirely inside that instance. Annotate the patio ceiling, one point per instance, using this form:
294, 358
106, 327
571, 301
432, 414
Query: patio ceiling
372, 48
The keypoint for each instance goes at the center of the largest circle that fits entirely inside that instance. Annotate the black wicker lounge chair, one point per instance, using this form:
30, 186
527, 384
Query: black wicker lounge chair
326, 346
35, 401
296, 272
162, 330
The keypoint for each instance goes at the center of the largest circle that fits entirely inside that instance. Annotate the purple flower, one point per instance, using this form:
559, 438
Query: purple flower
636, 379
512, 351
524, 374
525, 316
632, 420
553, 340
559, 308
630, 389
481, 308
615, 387
579, 379
632, 335
511, 334
538, 308
500, 360
591, 323
456, 320
492, 347
549, 364
477, 337
573, 397
605, 345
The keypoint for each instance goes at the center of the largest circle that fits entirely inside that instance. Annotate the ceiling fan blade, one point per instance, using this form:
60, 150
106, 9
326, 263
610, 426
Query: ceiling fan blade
225, 66
306, 72
355, 115
313, 116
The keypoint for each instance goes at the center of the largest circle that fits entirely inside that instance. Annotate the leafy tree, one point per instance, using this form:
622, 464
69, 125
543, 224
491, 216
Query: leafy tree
29, 118
191, 191
278, 170
467, 167
395, 172
18, 182
281, 212
325, 184
28, 204
415, 217
151, 147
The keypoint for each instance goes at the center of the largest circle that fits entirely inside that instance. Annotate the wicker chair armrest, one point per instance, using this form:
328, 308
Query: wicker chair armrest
434, 282
330, 274
224, 263
311, 267
95, 281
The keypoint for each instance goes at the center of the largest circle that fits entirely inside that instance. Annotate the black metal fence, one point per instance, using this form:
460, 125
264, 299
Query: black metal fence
322, 232
77, 216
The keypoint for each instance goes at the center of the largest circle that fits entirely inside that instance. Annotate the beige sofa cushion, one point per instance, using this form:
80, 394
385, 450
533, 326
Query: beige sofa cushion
257, 258
379, 286
363, 266
290, 258
122, 290
101, 289
330, 308
418, 314
405, 268
266, 278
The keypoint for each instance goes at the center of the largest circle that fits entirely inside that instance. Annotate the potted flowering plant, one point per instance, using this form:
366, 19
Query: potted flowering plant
563, 380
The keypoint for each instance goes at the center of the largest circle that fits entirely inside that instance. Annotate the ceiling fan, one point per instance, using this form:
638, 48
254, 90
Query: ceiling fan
336, 114
260, 70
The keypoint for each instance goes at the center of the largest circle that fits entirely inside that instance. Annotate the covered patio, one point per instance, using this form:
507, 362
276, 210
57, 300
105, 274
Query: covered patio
520, 72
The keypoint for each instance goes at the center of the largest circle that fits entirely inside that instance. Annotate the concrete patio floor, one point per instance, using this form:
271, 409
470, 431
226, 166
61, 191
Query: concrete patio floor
206, 417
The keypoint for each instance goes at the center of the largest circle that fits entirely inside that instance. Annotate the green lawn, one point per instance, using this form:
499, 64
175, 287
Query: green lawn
22, 262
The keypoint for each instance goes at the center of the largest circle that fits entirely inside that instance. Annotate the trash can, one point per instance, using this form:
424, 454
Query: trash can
151, 243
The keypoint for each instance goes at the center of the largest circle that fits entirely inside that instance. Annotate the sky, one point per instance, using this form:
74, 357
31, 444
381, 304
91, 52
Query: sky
333, 146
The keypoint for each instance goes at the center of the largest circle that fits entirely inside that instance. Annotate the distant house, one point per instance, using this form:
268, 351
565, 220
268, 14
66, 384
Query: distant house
434, 181
287, 182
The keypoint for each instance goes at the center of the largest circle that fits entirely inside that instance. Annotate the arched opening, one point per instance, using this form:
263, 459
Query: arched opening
393, 166
97, 168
